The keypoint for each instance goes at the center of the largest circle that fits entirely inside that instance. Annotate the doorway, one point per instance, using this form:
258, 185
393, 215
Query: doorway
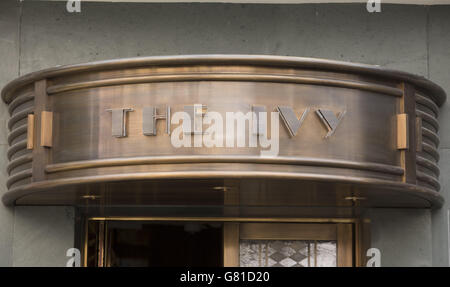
189, 242
288, 245
154, 244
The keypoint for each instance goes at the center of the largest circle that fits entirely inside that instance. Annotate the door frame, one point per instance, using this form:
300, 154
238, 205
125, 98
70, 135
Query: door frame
353, 233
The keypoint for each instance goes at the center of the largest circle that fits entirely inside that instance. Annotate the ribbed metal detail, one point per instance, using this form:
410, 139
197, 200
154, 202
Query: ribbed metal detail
428, 103
16, 133
426, 117
428, 164
19, 116
19, 166
15, 148
428, 179
19, 161
19, 101
432, 136
427, 169
431, 150
18, 176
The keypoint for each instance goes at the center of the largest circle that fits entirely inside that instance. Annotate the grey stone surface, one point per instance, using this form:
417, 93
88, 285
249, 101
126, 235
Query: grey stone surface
42, 235
440, 218
6, 216
9, 63
403, 236
395, 38
9, 47
9, 53
439, 62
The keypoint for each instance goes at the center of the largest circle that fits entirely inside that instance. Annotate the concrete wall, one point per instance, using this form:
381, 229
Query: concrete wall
403, 236
439, 71
9, 69
411, 38
42, 235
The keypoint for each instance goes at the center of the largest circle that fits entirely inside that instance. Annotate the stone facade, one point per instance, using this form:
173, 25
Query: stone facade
40, 34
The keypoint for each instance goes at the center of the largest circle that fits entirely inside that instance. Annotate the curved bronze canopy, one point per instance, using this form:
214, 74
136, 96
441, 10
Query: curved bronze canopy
350, 134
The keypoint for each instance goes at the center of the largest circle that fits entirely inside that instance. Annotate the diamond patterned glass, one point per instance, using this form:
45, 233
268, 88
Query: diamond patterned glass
287, 253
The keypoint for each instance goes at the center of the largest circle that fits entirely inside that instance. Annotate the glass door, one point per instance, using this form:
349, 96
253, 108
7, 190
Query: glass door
154, 244
288, 245
184, 243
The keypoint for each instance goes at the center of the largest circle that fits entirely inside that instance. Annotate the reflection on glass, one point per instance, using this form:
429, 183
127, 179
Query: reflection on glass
149, 244
287, 253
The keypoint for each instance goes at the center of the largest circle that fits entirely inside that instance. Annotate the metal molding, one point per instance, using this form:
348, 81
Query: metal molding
255, 60
383, 168
52, 90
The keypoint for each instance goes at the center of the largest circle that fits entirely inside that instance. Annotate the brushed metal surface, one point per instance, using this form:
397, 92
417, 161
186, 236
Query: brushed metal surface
52, 168
223, 77
357, 106
436, 92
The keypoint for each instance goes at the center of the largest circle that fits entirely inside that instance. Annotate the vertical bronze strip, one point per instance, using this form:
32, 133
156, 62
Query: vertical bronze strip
86, 241
231, 244
30, 131
344, 245
362, 241
358, 243
101, 244
46, 128
402, 132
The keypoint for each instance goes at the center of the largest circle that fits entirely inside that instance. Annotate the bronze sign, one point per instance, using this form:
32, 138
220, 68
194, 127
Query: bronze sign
257, 120
103, 132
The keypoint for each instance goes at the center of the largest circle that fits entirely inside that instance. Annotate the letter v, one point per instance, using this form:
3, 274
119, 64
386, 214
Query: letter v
290, 119
330, 120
